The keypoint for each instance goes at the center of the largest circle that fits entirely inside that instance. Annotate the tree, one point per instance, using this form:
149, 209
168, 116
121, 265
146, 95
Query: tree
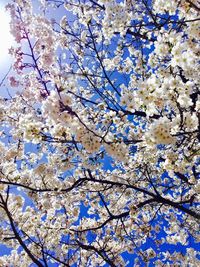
100, 134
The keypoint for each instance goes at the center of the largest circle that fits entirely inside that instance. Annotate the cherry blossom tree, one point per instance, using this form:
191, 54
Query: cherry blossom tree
100, 134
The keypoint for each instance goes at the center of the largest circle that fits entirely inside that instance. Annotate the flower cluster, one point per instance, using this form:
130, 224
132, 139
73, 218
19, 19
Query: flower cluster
159, 133
90, 141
